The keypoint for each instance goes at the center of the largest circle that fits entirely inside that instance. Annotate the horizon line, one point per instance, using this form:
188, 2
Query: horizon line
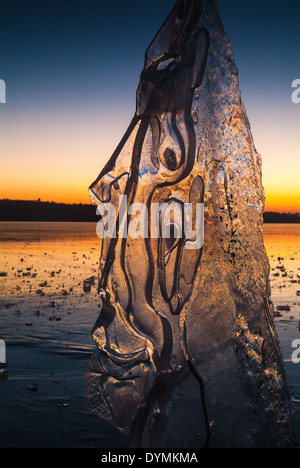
39, 200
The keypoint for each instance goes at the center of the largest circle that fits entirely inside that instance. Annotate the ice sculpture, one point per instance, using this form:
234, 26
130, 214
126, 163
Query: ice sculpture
187, 352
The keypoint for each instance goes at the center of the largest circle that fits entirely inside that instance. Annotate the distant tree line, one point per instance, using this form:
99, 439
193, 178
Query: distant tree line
23, 210
284, 218
19, 210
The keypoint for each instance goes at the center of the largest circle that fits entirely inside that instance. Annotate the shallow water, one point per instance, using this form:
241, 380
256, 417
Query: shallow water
47, 232
48, 333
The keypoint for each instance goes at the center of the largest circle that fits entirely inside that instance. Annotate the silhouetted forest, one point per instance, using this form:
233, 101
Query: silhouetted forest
22, 210
284, 218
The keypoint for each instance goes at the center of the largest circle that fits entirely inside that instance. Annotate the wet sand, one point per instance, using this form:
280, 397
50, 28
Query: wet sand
46, 318
283, 248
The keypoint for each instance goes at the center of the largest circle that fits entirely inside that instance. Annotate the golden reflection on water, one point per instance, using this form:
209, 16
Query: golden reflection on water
279, 238
282, 240
274, 234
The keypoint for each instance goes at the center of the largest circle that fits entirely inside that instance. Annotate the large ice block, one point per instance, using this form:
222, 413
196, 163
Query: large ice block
187, 354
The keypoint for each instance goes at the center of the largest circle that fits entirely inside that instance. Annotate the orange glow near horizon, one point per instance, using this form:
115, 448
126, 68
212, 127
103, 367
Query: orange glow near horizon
75, 190
56, 156
282, 202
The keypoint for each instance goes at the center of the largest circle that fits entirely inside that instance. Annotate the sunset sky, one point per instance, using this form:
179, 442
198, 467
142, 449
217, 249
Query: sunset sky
72, 69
